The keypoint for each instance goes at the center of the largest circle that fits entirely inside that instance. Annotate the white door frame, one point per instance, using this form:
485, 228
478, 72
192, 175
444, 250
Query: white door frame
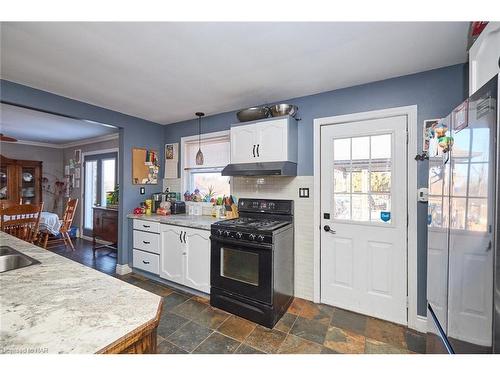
414, 321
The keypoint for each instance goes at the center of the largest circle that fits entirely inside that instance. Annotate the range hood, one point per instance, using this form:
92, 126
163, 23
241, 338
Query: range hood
279, 168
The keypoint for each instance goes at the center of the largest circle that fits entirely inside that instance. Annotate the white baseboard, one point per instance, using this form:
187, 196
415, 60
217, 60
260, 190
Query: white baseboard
420, 324
123, 269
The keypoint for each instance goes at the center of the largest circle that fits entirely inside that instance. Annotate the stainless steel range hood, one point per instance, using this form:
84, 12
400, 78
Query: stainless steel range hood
280, 168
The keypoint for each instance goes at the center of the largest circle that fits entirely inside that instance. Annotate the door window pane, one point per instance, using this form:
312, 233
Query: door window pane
360, 178
108, 178
240, 265
341, 179
342, 206
342, 149
90, 191
477, 215
478, 180
380, 205
360, 148
381, 146
360, 207
457, 214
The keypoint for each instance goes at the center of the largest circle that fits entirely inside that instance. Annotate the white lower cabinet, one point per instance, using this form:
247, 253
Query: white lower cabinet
185, 256
146, 261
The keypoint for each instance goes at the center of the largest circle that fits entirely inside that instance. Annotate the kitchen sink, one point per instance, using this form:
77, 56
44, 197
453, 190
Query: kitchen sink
11, 259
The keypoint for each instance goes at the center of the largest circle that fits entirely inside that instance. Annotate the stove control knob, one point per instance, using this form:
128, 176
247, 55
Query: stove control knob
227, 233
251, 236
219, 232
260, 238
239, 235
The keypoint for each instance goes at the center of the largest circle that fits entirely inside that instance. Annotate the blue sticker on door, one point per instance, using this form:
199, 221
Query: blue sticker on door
385, 216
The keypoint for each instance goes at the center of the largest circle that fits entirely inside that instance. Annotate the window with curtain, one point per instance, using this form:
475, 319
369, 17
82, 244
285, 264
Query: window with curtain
207, 177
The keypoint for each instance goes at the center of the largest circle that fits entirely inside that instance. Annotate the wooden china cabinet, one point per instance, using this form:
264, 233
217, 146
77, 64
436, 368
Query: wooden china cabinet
21, 180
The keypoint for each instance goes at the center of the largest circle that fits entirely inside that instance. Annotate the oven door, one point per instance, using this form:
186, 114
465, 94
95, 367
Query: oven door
242, 269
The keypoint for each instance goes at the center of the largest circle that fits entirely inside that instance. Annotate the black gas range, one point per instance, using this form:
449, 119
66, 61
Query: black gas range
252, 259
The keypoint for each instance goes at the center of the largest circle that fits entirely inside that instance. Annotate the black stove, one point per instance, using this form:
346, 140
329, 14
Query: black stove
252, 261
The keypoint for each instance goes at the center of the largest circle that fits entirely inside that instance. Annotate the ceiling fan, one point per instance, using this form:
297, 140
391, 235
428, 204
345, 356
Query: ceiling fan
4, 138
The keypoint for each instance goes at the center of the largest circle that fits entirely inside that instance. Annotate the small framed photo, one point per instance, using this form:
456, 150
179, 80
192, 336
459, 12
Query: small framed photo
78, 156
77, 172
171, 151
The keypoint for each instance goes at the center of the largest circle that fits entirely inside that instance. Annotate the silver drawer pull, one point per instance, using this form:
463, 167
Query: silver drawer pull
145, 262
146, 242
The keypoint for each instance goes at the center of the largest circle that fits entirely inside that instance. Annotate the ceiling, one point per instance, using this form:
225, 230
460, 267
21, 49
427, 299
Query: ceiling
34, 126
164, 72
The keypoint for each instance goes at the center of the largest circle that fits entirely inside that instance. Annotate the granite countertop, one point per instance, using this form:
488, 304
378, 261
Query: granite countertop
182, 220
60, 306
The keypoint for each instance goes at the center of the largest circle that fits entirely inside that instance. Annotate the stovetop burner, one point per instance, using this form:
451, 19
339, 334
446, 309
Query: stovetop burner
253, 223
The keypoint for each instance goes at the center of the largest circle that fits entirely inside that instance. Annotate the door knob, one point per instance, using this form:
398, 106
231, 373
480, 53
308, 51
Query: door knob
328, 229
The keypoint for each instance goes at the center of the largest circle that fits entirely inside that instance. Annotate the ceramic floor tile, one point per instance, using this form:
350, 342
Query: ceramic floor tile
296, 345
297, 305
172, 300
200, 299
155, 288
211, 317
326, 350
166, 347
266, 340
189, 336
343, 341
246, 349
286, 322
237, 328
318, 312
169, 323
308, 329
217, 344
377, 347
349, 320
189, 309
387, 332
415, 341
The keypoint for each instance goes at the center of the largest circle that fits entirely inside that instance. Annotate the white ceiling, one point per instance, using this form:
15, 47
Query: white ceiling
164, 72
34, 126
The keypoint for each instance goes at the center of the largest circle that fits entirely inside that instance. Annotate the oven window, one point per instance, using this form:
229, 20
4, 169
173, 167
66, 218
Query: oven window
240, 265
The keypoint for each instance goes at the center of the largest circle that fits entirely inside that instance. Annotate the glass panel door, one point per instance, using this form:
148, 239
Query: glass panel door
28, 193
4, 183
90, 192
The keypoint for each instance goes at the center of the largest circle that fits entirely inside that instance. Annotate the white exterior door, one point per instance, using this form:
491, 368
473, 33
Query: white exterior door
172, 254
243, 144
197, 263
364, 216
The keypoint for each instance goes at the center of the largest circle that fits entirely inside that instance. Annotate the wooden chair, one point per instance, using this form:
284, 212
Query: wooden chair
21, 220
67, 220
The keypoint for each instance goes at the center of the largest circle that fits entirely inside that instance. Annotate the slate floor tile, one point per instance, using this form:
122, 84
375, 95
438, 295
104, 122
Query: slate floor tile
318, 312
415, 341
201, 299
286, 322
377, 347
266, 340
237, 328
189, 336
211, 317
326, 350
155, 288
246, 349
296, 345
217, 344
308, 329
189, 309
169, 323
387, 332
343, 341
297, 305
349, 320
172, 300
166, 347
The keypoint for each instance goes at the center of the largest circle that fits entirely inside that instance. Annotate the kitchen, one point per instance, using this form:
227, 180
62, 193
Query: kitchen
267, 223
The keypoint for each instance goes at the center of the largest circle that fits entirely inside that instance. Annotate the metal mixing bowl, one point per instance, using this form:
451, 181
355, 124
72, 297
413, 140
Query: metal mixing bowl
283, 110
253, 113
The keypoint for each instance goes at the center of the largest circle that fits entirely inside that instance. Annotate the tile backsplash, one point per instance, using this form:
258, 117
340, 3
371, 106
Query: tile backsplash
273, 187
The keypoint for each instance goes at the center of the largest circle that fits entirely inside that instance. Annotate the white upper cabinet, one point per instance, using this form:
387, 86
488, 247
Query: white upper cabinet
269, 140
484, 57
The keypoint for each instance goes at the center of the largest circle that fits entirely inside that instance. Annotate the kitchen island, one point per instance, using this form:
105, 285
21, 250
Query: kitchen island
60, 306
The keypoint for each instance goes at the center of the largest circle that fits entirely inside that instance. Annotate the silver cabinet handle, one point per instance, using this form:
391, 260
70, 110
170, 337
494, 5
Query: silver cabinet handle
146, 242
145, 262
180, 236
253, 151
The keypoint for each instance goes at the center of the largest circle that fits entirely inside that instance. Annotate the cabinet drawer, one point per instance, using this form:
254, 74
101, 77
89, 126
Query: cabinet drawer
146, 261
147, 226
147, 241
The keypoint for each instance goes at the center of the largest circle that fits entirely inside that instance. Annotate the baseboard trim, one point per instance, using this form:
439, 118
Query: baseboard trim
420, 324
123, 269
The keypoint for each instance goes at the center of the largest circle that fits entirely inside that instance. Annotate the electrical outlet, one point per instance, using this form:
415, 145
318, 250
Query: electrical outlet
303, 192
142, 190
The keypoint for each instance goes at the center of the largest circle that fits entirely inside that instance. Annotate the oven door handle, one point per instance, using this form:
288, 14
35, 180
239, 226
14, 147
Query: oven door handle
256, 245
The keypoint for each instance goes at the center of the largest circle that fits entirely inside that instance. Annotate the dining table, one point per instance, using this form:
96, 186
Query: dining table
49, 223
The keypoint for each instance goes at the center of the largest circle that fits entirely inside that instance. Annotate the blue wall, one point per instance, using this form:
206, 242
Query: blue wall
435, 92
134, 132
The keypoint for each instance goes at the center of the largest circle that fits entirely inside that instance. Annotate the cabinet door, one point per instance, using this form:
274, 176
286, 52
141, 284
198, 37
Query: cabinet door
171, 254
197, 262
272, 141
484, 57
243, 144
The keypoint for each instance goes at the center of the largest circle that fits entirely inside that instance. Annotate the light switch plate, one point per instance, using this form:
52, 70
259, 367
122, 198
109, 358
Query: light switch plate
303, 192
142, 190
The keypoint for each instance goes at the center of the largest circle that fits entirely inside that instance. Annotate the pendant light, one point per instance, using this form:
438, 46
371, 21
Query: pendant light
199, 154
